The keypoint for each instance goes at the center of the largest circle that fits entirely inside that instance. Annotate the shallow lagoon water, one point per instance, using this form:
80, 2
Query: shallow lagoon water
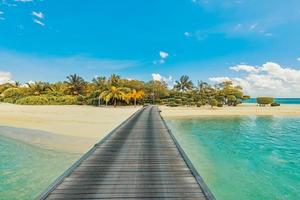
249, 158
25, 170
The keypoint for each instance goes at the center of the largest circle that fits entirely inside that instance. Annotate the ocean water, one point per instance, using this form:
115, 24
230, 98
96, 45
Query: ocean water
244, 158
278, 100
25, 170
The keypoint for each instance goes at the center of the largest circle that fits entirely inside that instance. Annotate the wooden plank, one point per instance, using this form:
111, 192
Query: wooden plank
138, 160
128, 186
125, 190
198, 195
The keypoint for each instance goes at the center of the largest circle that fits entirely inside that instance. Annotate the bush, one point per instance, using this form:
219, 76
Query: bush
202, 102
192, 103
52, 100
219, 105
264, 100
185, 103
237, 102
231, 100
171, 99
213, 102
94, 102
4, 87
245, 97
164, 101
80, 100
157, 101
178, 101
184, 98
172, 104
12, 93
33, 100
198, 104
275, 104
68, 100
9, 100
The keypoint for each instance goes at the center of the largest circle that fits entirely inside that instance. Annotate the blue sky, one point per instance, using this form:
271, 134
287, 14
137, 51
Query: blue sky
205, 39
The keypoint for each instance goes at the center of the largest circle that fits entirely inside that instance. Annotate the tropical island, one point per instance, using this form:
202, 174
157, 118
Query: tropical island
117, 91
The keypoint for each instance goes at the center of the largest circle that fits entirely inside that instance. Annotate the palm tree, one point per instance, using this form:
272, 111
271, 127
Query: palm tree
99, 81
114, 93
114, 80
38, 88
202, 86
75, 84
183, 84
17, 84
135, 95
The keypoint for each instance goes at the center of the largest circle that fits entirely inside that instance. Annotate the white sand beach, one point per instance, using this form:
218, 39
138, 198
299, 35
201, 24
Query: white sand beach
63, 128
78, 128
240, 110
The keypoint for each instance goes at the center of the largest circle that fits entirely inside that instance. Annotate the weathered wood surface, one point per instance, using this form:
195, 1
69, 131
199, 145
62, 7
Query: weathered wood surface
139, 160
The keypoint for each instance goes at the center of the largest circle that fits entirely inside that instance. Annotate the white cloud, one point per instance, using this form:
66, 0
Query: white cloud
5, 77
23, 1
38, 22
246, 68
7, 3
187, 34
286, 74
168, 80
298, 59
39, 15
270, 79
163, 54
219, 79
253, 26
156, 77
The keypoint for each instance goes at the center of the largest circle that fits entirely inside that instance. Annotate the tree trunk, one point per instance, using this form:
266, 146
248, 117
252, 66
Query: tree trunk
115, 102
134, 102
99, 101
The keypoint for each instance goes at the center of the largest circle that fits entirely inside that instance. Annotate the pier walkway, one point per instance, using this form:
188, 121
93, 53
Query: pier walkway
140, 159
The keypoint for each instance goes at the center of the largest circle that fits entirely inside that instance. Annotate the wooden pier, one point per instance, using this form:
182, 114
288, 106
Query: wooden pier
140, 159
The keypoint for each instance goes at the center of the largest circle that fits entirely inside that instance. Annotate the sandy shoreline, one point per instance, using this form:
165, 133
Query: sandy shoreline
62, 128
77, 128
240, 110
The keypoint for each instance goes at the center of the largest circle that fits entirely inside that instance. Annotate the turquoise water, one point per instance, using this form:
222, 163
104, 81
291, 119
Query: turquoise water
278, 100
25, 171
244, 158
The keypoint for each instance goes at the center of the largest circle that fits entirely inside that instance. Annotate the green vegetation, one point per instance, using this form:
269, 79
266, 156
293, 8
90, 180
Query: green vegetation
262, 101
117, 91
184, 84
213, 103
275, 104
113, 94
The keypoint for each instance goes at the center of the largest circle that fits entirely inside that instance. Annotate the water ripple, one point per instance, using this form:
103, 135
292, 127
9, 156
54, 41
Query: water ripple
249, 158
